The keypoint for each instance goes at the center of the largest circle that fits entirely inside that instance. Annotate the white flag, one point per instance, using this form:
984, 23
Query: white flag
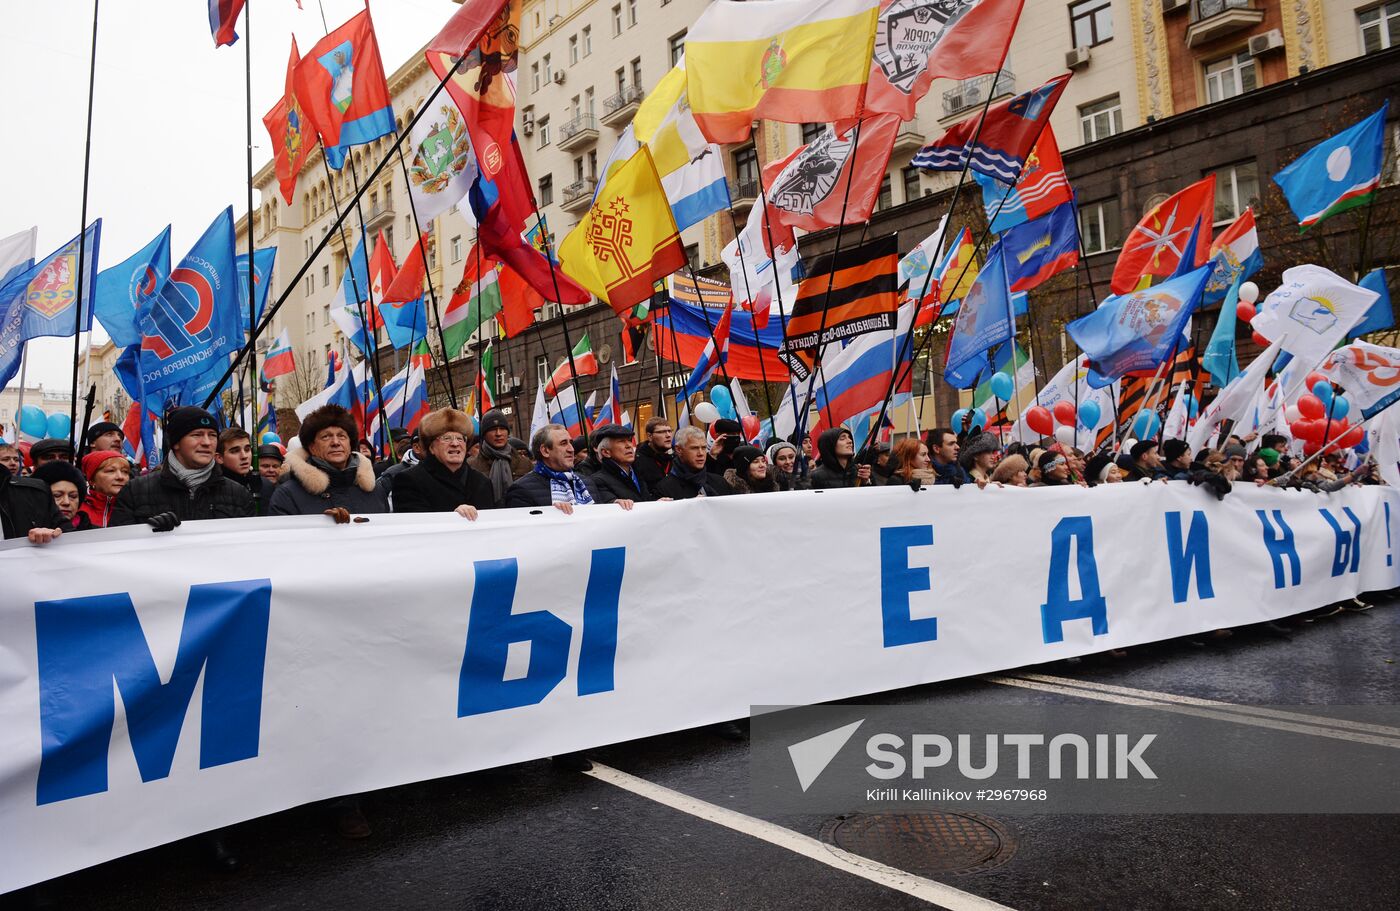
917, 262
1310, 313
1174, 428
443, 165
1235, 400
541, 415
1370, 374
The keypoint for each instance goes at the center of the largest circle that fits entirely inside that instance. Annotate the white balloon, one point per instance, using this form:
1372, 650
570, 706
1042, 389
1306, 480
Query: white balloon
1291, 413
1128, 444
1064, 435
706, 413
1249, 293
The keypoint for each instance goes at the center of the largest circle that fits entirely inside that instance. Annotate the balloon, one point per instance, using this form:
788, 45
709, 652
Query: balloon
1338, 407
1291, 413
1244, 312
1259, 340
1309, 406
58, 426
1311, 449
1249, 292
751, 426
1002, 387
1314, 378
1065, 436
706, 413
723, 401
1038, 419
1064, 411
1304, 429
32, 421
1323, 390
1089, 414
1146, 425
270, 437
1192, 406
1351, 438
958, 419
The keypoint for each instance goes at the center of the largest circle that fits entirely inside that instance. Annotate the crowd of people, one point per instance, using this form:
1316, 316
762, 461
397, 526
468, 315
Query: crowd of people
452, 464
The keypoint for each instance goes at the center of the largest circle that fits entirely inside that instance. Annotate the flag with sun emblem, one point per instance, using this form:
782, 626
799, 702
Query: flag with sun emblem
1311, 311
628, 240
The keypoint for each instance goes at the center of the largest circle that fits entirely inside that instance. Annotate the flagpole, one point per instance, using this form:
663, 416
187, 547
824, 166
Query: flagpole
748, 295
709, 327
432, 292
564, 325
252, 259
479, 406
82, 240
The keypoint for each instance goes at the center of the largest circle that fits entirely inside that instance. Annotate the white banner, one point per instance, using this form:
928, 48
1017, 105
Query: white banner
267, 663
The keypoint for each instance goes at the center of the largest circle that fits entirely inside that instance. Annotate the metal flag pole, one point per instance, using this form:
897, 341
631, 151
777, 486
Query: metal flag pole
82, 240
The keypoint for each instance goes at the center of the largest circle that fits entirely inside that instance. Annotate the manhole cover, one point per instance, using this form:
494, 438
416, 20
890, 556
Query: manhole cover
924, 843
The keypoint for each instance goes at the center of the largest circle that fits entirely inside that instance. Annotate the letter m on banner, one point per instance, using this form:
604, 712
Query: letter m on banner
85, 644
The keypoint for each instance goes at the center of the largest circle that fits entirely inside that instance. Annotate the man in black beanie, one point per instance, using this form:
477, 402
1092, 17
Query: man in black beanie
189, 484
104, 436
1146, 462
501, 462
1176, 459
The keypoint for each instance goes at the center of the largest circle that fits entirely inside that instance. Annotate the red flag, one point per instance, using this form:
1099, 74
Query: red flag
408, 284
1004, 140
920, 40
286, 125
519, 302
807, 189
340, 85
1155, 246
461, 32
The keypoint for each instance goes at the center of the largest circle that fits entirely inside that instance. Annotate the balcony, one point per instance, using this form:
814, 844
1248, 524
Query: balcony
743, 193
908, 139
579, 132
618, 109
378, 215
578, 195
972, 93
1212, 20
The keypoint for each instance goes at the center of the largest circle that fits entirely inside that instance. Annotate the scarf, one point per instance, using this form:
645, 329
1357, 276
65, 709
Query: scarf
693, 477
192, 478
338, 477
564, 486
498, 465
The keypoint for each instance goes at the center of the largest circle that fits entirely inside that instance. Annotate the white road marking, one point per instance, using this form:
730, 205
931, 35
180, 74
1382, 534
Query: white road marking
1168, 705
926, 889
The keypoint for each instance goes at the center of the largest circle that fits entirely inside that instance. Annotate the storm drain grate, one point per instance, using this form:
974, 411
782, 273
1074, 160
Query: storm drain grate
924, 843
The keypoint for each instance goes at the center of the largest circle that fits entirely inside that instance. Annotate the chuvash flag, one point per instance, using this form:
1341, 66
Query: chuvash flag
1337, 174
123, 289
340, 85
43, 299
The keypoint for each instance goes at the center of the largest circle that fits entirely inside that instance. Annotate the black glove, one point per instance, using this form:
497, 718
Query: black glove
1215, 483
165, 521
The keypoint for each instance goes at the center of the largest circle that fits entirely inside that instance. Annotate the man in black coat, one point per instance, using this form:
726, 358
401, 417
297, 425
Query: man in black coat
189, 485
442, 481
689, 478
838, 466
554, 481
27, 509
617, 477
235, 457
654, 458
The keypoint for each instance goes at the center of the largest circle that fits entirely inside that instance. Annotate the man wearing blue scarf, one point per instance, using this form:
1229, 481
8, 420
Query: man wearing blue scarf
554, 481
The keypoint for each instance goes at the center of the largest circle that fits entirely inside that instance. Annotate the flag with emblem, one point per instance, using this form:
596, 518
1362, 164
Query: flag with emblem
1234, 257
984, 320
444, 163
794, 61
808, 189
1041, 187
999, 143
263, 261
628, 240
122, 289
1140, 330
952, 279
340, 85
691, 167
287, 128
583, 360
42, 299
1339, 173
1041, 248
422, 355
1155, 246
1311, 311
862, 298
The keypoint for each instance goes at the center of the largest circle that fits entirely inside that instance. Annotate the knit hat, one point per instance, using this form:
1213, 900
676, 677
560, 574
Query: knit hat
1234, 451
49, 446
1174, 449
779, 447
101, 427
1142, 448
978, 444
444, 420
93, 460
185, 420
1270, 456
1097, 469
744, 456
494, 419
52, 472
328, 416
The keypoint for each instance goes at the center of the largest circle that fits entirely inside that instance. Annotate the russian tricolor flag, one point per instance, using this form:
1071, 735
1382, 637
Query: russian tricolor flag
279, 361
716, 352
222, 15
564, 409
611, 411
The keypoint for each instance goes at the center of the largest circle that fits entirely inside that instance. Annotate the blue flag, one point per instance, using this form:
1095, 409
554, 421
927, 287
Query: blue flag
354, 292
194, 322
123, 289
1380, 316
1041, 248
406, 323
1219, 357
1337, 174
984, 319
42, 300
1139, 330
263, 261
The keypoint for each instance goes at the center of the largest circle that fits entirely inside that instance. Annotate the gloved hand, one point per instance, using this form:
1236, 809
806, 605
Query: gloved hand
340, 514
1215, 483
164, 521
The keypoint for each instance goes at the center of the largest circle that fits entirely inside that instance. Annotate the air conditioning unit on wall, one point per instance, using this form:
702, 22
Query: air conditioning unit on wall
1272, 40
1076, 58
558, 77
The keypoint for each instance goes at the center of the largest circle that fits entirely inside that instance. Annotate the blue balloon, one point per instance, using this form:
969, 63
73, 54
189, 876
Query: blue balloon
1146, 425
270, 437
1338, 407
1001, 386
723, 402
58, 426
33, 422
1323, 390
1089, 414
957, 419
1192, 406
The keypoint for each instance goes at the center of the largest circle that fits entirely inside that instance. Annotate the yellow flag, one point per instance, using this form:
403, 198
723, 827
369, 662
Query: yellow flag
628, 239
658, 103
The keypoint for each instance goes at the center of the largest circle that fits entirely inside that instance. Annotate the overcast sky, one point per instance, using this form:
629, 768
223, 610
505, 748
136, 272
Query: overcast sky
168, 133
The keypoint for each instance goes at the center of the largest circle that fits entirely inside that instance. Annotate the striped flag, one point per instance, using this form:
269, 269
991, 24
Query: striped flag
1000, 145
564, 409
475, 300
863, 299
611, 410
583, 361
1041, 187
421, 356
280, 360
716, 353
486, 380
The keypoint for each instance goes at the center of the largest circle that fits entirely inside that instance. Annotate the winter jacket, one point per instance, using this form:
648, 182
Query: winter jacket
830, 473
611, 484
98, 509
431, 486
951, 473
24, 504
160, 491
744, 485
307, 489
685, 484
534, 490
651, 466
520, 464
258, 487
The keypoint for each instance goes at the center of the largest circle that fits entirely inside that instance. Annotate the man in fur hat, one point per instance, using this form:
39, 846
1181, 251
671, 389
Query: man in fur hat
442, 481
327, 474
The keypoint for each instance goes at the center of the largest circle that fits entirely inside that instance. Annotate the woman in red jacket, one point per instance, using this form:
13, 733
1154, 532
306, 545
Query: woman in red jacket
107, 473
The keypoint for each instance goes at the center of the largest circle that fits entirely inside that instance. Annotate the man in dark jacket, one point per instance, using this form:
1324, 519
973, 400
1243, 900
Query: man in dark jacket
327, 474
442, 481
235, 457
654, 458
189, 484
497, 458
1176, 455
689, 477
1146, 462
27, 509
553, 482
617, 477
838, 467
943, 451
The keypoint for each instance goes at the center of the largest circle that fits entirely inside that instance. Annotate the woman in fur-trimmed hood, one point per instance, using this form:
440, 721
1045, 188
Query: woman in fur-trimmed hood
327, 473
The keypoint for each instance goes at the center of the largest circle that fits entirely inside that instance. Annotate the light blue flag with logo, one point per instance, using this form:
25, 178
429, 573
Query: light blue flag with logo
124, 288
984, 319
1219, 357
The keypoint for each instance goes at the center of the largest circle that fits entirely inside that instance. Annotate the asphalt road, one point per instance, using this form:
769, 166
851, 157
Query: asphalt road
666, 822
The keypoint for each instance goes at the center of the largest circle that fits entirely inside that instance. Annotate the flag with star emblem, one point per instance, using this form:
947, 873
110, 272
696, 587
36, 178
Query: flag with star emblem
1156, 245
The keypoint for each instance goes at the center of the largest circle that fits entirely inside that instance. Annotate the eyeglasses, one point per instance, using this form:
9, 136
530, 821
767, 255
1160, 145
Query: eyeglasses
450, 438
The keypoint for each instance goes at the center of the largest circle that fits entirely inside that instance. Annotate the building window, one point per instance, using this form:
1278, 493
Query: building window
677, 44
631, 13
1230, 76
310, 324
588, 101
637, 72
546, 189
593, 164
325, 314
1236, 188
910, 176
811, 131
1101, 119
578, 168
886, 197
457, 249
617, 19
746, 171
541, 369
1100, 226
573, 49
542, 127
547, 73
534, 77
310, 285
307, 245
587, 40
1091, 22
1380, 27
621, 79
325, 276
692, 256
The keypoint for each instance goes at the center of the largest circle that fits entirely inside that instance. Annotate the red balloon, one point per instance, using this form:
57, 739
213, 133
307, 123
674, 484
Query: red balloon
1064, 412
1259, 340
1299, 428
1339, 427
1245, 312
1313, 431
750, 425
1314, 378
1353, 437
1310, 406
1038, 419
1311, 448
